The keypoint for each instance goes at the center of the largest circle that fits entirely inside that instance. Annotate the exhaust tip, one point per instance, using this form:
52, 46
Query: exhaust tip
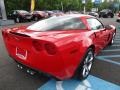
28, 71
31, 72
19, 66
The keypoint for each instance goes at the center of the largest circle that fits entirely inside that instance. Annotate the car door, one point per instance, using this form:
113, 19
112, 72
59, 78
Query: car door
100, 32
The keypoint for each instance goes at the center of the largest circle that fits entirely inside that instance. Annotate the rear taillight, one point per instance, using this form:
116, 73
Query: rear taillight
6, 36
37, 45
50, 48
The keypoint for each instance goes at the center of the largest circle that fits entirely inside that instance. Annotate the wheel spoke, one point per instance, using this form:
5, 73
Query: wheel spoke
113, 38
90, 65
86, 60
83, 72
91, 59
86, 71
90, 55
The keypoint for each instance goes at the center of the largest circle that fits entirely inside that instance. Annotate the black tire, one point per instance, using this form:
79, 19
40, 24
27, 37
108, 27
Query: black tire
112, 16
117, 20
57, 79
85, 67
112, 40
99, 16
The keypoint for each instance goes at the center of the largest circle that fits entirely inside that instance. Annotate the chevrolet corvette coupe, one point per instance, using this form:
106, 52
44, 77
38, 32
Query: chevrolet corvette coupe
60, 46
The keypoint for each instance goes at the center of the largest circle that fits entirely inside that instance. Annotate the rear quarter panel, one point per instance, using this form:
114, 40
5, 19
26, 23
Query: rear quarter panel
73, 52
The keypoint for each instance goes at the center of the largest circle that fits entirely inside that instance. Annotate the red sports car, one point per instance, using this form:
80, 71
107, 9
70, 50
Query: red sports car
59, 46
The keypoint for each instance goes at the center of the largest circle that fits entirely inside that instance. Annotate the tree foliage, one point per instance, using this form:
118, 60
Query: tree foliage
54, 5
17, 4
89, 5
47, 4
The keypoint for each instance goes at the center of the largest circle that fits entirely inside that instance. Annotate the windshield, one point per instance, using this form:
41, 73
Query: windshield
58, 23
105, 10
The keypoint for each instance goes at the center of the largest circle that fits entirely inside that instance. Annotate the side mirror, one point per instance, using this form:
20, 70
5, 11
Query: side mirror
108, 27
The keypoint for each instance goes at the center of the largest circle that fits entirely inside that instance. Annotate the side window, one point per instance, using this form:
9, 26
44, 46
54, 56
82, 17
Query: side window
95, 24
72, 24
75, 23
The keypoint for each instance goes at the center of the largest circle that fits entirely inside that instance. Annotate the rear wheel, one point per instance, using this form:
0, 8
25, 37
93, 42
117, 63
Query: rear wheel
117, 20
99, 16
112, 40
86, 65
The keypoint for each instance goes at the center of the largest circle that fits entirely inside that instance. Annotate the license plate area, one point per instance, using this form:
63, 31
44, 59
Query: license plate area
21, 53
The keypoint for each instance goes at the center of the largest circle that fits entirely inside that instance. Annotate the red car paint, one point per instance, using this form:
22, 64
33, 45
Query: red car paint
119, 14
57, 52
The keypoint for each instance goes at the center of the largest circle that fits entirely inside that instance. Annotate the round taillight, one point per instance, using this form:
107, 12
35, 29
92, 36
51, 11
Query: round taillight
37, 45
50, 48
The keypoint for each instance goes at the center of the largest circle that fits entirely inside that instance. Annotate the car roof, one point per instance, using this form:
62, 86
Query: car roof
76, 16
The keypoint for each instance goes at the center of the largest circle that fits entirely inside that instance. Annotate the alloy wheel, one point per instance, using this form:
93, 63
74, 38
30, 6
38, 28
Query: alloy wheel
113, 38
87, 64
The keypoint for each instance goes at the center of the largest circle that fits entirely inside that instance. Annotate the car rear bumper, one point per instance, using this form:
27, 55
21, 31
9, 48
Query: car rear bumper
51, 66
48, 64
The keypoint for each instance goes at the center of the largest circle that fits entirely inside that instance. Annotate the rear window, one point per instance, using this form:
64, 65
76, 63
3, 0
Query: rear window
58, 23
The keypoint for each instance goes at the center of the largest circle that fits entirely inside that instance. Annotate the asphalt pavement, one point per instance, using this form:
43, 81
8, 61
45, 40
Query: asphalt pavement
106, 66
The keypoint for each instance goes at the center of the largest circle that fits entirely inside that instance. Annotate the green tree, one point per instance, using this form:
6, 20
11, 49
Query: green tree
89, 5
17, 4
47, 5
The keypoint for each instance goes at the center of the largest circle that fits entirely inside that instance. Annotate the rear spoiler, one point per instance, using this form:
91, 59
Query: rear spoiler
19, 34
